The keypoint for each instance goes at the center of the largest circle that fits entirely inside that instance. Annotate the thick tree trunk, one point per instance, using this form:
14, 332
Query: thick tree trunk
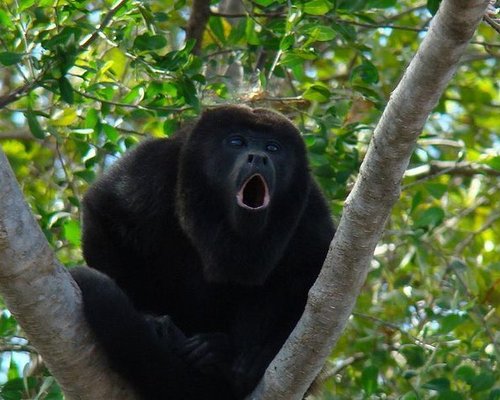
46, 302
332, 298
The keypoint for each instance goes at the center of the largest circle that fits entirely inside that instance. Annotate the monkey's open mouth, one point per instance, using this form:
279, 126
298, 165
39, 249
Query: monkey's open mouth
254, 193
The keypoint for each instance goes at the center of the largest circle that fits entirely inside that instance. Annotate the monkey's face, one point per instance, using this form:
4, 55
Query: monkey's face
243, 183
255, 169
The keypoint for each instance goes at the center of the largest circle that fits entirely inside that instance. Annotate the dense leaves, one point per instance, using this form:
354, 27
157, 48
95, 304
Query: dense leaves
84, 80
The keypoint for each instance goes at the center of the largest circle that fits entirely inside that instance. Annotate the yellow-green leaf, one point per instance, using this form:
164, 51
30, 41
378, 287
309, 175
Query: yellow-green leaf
118, 61
64, 117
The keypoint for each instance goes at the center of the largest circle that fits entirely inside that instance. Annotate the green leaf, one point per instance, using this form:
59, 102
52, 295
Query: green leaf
189, 93
430, 218
465, 373
369, 379
317, 7
264, 3
483, 381
87, 175
347, 31
321, 33
111, 133
494, 394
381, 3
9, 58
170, 126
416, 201
494, 162
135, 95
409, 396
287, 42
415, 355
119, 61
437, 190
450, 322
217, 28
67, 38
251, 32
147, 42
34, 125
296, 57
5, 20
72, 232
15, 389
438, 384
433, 6
450, 395
366, 71
66, 90
25, 4
317, 93
91, 119
64, 117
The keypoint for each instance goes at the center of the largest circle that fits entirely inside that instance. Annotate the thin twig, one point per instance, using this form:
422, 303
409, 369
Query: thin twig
491, 22
107, 19
135, 106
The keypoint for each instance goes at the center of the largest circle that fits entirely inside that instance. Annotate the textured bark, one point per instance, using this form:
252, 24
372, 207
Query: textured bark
46, 301
367, 208
200, 13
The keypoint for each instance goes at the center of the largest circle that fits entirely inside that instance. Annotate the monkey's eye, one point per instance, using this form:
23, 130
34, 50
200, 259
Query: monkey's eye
236, 141
272, 147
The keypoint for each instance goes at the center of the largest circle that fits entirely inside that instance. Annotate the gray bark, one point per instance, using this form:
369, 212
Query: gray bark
46, 301
332, 298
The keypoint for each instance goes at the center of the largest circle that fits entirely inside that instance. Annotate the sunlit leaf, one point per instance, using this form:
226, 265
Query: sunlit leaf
5, 20
119, 61
317, 93
72, 231
317, 7
64, 117
321, 33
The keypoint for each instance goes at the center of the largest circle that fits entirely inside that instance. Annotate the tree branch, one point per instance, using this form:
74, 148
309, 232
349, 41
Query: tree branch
463, 168
35, 288
332, 298
105, 22
200, 13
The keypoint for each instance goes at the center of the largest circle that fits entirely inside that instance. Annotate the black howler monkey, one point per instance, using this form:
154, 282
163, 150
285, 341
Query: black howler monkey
208, 243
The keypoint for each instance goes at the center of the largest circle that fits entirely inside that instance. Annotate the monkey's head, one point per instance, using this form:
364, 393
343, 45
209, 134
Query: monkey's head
243, 183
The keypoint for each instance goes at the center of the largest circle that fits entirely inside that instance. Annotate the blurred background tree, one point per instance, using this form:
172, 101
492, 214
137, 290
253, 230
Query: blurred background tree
82, 81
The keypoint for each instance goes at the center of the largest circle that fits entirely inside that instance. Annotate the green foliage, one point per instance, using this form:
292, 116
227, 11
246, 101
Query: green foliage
427, 321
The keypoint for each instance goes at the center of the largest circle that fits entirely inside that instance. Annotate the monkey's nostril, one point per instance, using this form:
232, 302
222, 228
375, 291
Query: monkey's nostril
250, 158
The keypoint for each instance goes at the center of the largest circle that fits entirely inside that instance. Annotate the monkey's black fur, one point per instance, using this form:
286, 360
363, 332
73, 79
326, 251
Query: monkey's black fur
222, 231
